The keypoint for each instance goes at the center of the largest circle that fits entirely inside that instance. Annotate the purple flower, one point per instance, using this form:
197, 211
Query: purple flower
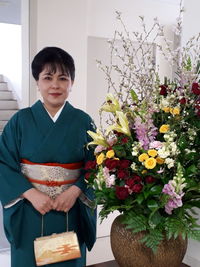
175, 199
145, 130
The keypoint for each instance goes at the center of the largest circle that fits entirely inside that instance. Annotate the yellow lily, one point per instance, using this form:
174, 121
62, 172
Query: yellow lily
121, 126
111, 105
98, 138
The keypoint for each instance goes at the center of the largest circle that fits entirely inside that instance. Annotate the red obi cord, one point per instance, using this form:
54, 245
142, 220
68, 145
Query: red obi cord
70, 166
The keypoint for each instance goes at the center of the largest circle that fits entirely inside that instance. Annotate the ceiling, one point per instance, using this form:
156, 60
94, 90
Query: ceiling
10, 11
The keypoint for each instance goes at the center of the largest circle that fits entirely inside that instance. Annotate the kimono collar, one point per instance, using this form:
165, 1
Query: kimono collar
55, 117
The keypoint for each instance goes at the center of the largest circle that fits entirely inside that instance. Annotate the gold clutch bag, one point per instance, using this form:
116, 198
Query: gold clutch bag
56, 248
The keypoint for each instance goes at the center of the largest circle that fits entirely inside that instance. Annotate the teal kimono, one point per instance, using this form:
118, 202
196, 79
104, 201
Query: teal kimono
31, 134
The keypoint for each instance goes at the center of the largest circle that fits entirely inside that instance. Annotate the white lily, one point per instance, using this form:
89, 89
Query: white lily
122, 124
98, 138
111, 105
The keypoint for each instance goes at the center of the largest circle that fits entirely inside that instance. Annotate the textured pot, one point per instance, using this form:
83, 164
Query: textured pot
130, 252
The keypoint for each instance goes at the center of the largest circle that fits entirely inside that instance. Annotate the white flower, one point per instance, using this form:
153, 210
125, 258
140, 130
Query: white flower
134, 150
169, 162
163, 153
133, 166
173, 148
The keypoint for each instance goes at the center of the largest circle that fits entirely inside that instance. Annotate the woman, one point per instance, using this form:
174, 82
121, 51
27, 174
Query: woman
42, 153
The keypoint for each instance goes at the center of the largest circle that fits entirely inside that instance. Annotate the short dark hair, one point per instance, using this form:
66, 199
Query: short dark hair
55, 58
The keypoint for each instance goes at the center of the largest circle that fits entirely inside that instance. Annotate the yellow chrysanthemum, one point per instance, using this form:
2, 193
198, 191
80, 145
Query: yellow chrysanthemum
152, 153
166, 109
110, 154
160, 160
143, 157
164, 128
100, 158
150, 163
175, 111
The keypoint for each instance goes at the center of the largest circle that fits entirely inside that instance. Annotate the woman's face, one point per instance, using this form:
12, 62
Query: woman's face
54, 88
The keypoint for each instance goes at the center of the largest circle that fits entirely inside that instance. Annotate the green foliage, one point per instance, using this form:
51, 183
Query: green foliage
153, 239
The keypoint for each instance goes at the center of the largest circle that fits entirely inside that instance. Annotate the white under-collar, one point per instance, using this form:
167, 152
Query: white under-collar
56, 116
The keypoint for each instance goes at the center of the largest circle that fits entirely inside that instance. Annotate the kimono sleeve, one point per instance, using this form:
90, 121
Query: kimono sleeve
88, 212
13, 183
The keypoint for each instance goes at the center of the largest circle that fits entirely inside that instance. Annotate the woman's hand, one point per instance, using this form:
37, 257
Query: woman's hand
66, 200
40, 201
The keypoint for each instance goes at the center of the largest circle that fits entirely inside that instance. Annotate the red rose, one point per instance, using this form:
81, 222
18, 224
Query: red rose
198, 113
87, 175
111, 163
196, 89
197, 104
131, 182
121, 192
122, 174
91, 164
118, 133
163, 90
124, 140
183, 101
124, 163
149, 179
137, 178
137, 188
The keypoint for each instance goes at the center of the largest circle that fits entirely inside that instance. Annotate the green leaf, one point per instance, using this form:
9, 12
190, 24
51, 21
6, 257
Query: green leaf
182, 143
194, 234
134, 95
152, 204
139, 198
152, 239
156, 190
155, 219
146, 194
191, 170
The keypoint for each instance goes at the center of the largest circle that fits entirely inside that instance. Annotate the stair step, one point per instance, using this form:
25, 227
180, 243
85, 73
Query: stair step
7, 114
5, 95
8, 104
2, 125
1, 78
3, 86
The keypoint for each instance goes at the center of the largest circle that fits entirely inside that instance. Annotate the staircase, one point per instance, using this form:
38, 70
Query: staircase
8, 105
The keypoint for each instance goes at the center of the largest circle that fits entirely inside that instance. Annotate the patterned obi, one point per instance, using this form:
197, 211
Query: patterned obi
51, 178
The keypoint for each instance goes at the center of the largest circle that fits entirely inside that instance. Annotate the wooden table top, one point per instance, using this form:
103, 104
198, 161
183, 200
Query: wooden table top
114, 264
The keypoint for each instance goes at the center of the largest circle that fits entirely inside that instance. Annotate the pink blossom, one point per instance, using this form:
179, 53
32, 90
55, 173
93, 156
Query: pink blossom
111, 141
173, 203
156, 144
110, 181
99, 148
160, 170
145, 131
175, 199
106, 173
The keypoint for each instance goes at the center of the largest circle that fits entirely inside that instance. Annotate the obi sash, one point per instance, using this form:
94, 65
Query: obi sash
51, 178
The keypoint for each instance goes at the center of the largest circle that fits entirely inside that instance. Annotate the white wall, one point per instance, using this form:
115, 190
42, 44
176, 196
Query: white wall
191, 19
101, 14
191, 27
10, 56
63, 23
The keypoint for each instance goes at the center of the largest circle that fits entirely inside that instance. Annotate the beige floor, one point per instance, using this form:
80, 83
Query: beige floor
5, 258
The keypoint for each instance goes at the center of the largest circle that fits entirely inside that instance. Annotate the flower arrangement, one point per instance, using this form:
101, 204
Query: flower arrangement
147, 156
